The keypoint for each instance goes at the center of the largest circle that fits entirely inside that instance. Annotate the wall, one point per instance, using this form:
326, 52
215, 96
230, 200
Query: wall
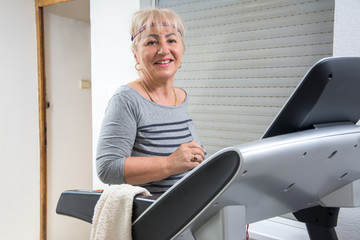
19, 124
69, 134
112, 60
346, 28
346, 43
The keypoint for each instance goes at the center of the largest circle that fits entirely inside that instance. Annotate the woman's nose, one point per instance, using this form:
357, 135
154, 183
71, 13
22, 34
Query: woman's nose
163, 49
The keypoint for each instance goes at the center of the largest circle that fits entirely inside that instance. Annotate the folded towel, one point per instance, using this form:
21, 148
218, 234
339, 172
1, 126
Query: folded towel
113, 212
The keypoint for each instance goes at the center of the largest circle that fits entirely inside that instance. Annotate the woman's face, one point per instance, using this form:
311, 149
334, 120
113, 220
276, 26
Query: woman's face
159, 53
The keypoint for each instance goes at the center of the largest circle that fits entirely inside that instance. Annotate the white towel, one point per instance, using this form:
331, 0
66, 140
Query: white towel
113, 212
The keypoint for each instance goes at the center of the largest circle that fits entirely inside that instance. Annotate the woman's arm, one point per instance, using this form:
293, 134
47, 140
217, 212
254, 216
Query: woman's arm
140, 170
116, 140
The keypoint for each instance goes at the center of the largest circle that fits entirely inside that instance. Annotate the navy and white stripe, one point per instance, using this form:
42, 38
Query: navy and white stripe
162, 139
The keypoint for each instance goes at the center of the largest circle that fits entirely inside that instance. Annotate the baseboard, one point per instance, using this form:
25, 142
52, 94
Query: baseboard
278, 228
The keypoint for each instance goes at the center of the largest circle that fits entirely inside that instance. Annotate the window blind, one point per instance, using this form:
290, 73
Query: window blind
243, 60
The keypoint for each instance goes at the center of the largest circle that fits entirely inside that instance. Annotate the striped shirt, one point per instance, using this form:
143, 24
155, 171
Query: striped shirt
135, 126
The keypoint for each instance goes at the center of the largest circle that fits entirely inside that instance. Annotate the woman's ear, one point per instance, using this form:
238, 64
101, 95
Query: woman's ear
136, 59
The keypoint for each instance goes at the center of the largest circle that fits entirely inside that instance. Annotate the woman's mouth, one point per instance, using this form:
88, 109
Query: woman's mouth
164, 62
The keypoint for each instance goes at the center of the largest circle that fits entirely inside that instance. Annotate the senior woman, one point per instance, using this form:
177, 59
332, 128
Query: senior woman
147, 137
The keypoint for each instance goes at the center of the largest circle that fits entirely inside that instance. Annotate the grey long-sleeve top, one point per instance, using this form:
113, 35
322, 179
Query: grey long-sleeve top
135, 126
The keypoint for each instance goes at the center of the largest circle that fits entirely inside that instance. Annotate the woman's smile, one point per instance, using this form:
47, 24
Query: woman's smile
164, 62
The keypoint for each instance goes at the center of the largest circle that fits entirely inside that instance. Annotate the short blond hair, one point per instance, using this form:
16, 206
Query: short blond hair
151, 17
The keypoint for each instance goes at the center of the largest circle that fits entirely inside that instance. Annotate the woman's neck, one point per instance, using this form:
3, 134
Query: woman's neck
159, 92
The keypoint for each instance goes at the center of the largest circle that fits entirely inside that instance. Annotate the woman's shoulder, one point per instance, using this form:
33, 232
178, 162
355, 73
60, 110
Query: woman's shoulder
124, 92
134, 85
123, 96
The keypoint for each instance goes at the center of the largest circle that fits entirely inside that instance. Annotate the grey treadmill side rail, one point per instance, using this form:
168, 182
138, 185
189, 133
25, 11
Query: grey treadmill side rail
81, 204
180, 204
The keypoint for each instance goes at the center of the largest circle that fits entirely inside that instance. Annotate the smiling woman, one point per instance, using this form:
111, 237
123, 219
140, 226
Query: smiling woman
147, 137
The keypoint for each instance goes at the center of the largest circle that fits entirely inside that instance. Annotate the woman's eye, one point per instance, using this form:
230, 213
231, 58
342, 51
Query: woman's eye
150, 43
172, 41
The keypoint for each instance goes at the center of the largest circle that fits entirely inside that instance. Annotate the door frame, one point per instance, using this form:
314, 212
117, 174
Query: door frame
39, 15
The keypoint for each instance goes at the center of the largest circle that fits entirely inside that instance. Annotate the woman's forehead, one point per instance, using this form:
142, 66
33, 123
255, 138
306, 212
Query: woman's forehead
160, 31
162, 25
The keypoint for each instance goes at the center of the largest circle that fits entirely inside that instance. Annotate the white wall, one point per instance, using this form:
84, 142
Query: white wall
346, 28
69, 128
347, 43
19, 124
112, 60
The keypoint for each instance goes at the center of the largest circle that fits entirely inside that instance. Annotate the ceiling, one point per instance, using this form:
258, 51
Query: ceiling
77, 9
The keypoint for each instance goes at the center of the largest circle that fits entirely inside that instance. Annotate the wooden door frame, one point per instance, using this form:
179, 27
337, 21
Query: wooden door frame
39, 15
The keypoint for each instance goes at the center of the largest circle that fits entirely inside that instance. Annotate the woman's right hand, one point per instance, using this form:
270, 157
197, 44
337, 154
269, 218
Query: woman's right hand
186, 157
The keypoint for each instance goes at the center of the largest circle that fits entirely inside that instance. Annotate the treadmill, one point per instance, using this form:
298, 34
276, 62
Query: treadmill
306, 163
